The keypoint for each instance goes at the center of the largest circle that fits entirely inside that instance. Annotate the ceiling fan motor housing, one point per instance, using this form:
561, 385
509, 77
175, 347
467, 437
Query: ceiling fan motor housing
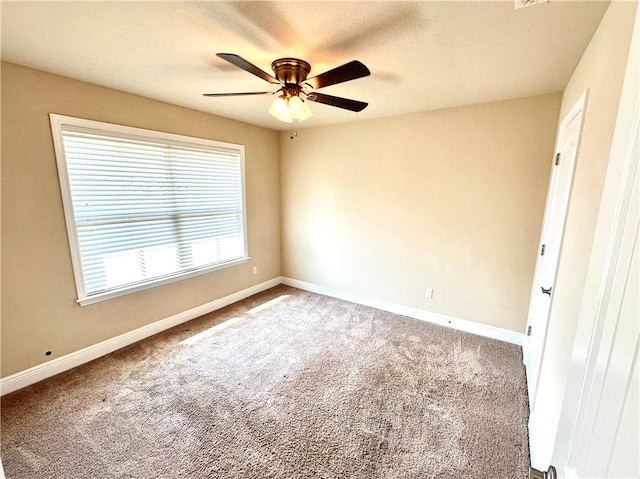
291, 71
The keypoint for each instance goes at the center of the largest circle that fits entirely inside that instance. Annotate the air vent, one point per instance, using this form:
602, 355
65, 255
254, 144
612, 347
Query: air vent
528, 3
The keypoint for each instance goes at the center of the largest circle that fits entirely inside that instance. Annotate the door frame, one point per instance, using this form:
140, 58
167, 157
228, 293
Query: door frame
533, 376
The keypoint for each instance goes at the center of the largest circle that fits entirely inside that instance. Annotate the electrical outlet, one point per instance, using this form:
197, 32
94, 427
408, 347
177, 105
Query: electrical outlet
428, 293
255, 270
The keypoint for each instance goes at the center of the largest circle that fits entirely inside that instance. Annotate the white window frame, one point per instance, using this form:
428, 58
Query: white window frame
57, 124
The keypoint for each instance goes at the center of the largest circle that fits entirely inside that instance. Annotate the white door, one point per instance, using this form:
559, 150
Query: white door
550, 243
607, 445
599, 426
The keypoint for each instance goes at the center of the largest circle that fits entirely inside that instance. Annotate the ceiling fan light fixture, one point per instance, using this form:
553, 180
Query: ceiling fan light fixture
299, 109
306, 112
280, 110
289, 108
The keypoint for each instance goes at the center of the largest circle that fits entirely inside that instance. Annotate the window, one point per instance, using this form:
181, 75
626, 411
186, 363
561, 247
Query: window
145, 208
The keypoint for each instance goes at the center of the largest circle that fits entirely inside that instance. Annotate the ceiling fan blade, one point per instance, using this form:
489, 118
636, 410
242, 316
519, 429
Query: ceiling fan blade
246, 66
343, 73
344, 103
240, 93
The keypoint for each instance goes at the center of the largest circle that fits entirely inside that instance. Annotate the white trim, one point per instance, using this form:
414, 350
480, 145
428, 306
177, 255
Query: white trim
540, 447
421, 314
132, 132
58, 124
577, 109
148, 284
42, 371
531, 360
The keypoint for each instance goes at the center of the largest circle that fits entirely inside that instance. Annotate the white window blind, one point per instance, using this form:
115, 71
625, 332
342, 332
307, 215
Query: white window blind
147, 207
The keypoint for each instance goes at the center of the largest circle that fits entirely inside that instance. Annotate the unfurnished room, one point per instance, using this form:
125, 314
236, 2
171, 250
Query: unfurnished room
320, 239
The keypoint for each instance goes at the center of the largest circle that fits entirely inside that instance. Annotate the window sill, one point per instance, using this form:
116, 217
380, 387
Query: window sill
122, 291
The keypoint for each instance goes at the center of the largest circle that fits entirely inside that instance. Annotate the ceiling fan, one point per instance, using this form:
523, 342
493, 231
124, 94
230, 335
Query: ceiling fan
291, 75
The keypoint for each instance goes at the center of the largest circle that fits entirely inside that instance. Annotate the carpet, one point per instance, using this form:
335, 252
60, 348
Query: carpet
285, 384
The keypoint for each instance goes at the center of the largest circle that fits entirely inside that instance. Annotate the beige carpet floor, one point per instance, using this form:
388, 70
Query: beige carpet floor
285, 384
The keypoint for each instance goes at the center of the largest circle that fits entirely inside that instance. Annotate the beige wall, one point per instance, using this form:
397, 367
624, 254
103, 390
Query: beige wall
39, 311
601, 70
450, 199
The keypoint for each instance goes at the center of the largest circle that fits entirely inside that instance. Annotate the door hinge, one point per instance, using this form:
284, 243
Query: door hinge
550, 474
542, 250
557, 158
529, 331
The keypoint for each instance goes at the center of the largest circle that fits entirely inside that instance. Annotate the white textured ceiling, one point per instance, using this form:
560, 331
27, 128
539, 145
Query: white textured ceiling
422, 55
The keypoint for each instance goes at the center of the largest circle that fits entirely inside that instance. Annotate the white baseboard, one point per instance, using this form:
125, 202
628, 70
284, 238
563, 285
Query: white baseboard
37, 373
421, 314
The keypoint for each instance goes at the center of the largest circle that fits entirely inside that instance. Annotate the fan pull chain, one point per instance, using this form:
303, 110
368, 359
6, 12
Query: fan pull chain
293, 134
